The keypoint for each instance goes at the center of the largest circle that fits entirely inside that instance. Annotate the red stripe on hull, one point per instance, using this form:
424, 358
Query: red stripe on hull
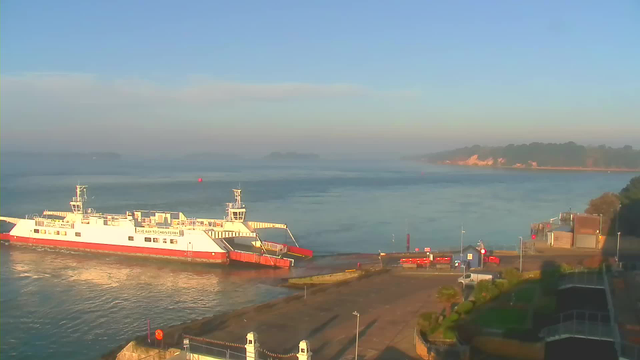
218, 257
259, 259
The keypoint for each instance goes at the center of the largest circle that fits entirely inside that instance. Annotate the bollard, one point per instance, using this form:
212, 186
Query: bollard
304, 350
252, 346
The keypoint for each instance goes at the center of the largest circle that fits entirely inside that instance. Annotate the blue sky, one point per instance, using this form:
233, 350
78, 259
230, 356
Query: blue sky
363, 77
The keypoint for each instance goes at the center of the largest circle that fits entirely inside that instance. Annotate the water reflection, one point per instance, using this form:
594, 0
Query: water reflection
55, 299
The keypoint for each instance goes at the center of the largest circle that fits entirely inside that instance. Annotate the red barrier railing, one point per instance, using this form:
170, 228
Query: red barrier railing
300, 251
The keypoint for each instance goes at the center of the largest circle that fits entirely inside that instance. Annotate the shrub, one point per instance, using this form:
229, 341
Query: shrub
454, 317
448, 295
427, 320
465, 307
501, 285
512, 276
484, 291
565, 268
449, 333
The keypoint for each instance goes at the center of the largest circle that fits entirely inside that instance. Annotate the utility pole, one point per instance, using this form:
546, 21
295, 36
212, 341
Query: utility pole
357, 331
618, 249
461, 240
408, 237
520, 254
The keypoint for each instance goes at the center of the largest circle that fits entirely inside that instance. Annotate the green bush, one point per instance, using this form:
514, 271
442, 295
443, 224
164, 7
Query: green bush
484, 291
501, 285
427, 320
465, 307
449, 333
512, 276
565, 268
448, 295
454, 317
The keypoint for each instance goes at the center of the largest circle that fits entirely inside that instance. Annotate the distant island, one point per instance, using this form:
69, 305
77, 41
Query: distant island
63, 155
291, 156
210, 155
567, 156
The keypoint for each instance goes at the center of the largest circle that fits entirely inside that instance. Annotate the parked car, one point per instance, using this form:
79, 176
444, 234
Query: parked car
471, 279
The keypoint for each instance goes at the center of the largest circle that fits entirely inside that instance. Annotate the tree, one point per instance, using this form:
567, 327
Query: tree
447, 295
608, 205
630, 208
485, 290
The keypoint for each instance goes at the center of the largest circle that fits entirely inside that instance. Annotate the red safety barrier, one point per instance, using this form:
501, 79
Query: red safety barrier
259, 259
300, 251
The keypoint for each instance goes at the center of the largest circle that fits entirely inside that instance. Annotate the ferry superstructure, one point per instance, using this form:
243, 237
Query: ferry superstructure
166, 234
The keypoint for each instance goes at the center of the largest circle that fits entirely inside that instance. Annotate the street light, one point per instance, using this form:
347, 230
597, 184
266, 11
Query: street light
357, 330
618, 249
461, 240
520, 254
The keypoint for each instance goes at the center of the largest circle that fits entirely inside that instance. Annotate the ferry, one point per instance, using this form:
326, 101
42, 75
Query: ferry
164, 234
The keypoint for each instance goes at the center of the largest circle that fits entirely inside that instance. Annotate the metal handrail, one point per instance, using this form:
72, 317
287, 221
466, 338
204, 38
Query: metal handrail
579, 328
614, 318
582, 277
202, 349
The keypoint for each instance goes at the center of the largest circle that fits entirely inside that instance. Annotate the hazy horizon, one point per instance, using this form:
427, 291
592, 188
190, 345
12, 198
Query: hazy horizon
363, 79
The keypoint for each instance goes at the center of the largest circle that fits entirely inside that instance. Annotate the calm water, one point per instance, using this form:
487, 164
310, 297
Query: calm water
64, 305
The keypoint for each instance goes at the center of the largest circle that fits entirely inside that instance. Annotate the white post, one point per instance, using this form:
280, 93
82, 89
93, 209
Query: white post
357, 331
618, 249
304, 350
252, 346
520, 254
461, 240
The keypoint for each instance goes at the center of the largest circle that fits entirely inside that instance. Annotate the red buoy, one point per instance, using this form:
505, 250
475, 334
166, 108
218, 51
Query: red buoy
199, 179
159, 334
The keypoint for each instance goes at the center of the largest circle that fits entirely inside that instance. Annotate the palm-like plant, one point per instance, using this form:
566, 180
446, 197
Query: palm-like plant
447, 295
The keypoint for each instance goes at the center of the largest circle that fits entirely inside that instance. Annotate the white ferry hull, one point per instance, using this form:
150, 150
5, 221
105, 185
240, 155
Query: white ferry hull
193, 256
164, 234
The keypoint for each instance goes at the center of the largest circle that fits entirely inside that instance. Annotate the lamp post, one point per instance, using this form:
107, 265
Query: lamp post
461, 240
357, 330
618, 249
520, 254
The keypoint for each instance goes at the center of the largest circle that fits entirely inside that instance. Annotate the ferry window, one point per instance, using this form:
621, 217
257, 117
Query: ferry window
147, 239
130, 238
174, 241
78, 234
64, 233
164, 240
56, 232
155, 239
36, 231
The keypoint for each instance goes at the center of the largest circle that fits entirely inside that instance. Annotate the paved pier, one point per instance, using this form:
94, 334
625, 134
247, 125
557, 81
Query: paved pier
388, 305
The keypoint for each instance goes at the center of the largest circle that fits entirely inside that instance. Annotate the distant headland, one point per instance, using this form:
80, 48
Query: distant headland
63, 155
549, 156
291, 156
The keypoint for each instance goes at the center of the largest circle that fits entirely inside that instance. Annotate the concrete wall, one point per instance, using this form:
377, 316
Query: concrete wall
135, 351
325, 279
429, 351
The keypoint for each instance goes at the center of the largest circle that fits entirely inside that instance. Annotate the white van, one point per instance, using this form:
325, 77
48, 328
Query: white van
471, 279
